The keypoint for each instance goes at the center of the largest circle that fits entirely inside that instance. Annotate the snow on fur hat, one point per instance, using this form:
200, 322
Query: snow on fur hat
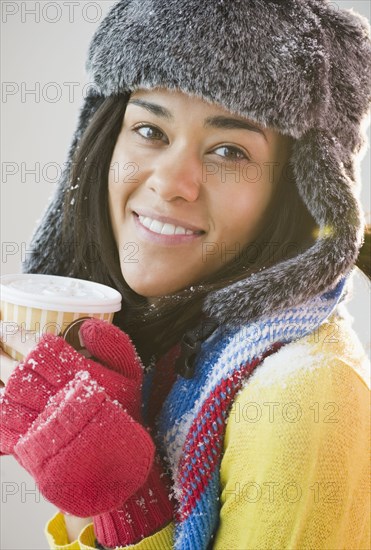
301, 67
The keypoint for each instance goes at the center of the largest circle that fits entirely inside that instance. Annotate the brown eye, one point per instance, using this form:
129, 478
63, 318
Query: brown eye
231, 153
150, 132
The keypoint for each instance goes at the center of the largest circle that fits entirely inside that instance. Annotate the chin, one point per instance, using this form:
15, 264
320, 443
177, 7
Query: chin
151, 289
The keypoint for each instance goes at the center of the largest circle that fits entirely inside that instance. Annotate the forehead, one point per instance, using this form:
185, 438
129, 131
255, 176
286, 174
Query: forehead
177, 98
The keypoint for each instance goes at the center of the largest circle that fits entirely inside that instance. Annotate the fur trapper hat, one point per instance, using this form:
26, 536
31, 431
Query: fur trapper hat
300, 67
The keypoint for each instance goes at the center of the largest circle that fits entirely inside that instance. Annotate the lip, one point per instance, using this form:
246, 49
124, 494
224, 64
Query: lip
166, 219
164, 240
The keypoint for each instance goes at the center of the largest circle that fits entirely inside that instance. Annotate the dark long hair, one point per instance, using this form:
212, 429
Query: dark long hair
288, 229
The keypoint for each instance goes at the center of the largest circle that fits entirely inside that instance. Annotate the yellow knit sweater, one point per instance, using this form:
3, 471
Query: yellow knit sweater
295, 470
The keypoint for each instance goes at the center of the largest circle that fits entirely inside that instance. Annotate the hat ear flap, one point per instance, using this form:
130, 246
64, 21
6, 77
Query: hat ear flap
347, 37
327, 191
48, 250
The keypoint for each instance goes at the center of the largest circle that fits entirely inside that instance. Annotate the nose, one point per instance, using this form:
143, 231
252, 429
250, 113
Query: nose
177, 174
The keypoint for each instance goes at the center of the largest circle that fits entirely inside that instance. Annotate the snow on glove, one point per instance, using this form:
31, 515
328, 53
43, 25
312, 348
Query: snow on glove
150, 508
53, 363
113, 348
85, 452
144, 513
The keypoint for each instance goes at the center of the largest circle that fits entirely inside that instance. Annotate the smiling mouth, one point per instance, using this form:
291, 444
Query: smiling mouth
165, 228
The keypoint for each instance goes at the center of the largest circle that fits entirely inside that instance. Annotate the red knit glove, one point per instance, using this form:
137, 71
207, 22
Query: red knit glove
85, 451
53, 363
82, 410
150, 508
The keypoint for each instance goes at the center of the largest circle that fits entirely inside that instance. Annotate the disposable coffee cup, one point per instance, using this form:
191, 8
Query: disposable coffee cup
32, 305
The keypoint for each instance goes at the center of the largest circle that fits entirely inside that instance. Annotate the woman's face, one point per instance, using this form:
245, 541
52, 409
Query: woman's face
189, 183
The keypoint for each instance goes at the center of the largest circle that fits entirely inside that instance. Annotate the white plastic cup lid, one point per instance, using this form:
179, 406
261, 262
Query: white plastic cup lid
53, 292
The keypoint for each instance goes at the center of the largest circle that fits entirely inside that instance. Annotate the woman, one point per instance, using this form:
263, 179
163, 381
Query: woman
212, 180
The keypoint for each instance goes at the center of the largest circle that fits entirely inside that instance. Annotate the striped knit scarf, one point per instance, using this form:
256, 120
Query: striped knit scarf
191, 423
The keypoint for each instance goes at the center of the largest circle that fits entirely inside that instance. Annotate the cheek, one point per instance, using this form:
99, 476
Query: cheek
123, 179
241, 207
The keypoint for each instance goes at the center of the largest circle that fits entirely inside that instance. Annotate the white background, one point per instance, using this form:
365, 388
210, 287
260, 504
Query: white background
44, 47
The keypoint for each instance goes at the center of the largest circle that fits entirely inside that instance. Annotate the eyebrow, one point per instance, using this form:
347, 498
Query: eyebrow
152, 108
230, 123
227, 123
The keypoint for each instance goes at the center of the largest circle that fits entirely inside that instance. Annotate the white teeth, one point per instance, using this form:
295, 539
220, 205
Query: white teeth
180, 231
168, 229
145, 221
163, 228
155, 226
